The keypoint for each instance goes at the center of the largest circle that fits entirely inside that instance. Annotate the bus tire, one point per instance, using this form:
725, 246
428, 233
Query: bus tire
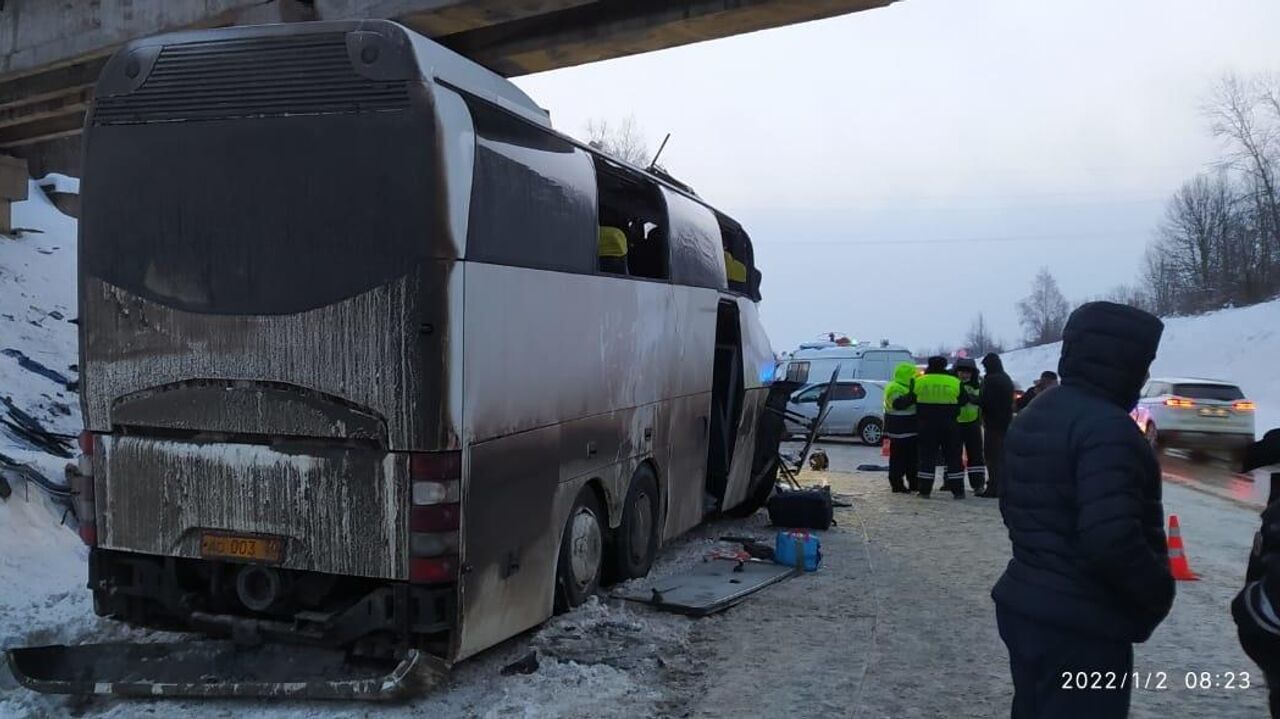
581, 552
636, 541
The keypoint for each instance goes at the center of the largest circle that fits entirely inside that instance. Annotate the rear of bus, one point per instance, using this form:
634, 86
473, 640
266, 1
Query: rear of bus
266, 325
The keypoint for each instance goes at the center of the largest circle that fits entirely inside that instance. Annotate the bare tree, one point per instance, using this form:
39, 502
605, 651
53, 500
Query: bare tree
1246, 114
1219, 241
1043, 313
622, 140
980, 341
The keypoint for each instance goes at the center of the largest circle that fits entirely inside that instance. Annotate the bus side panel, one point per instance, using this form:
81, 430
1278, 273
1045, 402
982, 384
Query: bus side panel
510, 520
694, 323
546, 347
745, 449
685, 469
757, 374
566, 374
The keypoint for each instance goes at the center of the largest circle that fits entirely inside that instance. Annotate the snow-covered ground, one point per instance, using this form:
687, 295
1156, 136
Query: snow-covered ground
1237, 345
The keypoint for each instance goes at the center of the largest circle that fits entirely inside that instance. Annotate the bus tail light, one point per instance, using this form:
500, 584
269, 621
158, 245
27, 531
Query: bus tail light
80, 480
1244, 405
435, 477
433, 570
1179, 403
435, 515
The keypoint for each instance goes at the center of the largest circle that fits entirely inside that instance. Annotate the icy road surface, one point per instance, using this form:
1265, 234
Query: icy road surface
898, 623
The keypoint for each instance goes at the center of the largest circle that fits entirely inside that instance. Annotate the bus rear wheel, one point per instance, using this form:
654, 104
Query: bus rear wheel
581, 553
636, 542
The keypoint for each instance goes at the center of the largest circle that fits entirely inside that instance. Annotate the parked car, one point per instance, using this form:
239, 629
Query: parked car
856, 410
1196, 414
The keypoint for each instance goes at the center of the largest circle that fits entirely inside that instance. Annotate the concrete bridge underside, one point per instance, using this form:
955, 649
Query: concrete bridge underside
51, 52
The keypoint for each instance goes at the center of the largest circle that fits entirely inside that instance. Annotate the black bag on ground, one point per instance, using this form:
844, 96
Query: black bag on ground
802, 509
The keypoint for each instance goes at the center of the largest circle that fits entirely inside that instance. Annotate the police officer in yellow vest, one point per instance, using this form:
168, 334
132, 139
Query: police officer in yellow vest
938, 399
969, 425
900, 428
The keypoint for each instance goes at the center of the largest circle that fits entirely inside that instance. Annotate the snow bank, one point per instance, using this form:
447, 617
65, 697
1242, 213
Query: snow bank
37, 305
57, 182
1237, 345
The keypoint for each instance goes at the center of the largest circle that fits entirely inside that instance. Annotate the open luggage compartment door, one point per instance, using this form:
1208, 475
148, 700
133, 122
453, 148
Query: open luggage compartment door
220, 669
710, 587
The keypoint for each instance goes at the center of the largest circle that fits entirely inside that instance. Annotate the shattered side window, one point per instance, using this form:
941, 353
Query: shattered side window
697, 253
533, 197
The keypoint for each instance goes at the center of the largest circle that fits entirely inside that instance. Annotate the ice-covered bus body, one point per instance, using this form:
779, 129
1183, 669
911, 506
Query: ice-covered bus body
371, 356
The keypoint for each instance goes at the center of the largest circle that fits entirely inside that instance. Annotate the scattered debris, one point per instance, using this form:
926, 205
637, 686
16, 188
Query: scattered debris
818, 460
711, 587
527, 664
27, 429
31, 365
756, 547
31, 474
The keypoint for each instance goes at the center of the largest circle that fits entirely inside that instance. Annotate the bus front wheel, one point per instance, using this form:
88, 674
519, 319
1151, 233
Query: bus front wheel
581, 552
636, 542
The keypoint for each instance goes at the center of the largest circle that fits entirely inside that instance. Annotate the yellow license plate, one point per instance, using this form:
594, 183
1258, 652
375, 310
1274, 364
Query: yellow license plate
232, 546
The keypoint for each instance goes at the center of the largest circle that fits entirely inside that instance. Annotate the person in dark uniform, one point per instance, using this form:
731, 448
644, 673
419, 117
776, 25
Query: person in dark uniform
1256, 609
900, 428
969, 424
1080, 496
997, 412
938, 399
1048, 380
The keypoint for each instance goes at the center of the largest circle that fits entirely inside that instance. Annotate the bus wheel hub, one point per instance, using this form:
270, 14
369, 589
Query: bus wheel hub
586, 547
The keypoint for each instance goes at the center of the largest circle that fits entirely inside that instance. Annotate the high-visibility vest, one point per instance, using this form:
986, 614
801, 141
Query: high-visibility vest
892, 391
934, 388
969, 413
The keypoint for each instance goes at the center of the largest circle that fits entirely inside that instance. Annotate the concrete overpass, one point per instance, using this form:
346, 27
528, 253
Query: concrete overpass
51, 52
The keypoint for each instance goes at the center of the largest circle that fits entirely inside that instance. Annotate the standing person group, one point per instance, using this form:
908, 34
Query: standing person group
939, 418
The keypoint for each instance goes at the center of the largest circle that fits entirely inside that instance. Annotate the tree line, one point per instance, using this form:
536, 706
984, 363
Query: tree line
1218, 244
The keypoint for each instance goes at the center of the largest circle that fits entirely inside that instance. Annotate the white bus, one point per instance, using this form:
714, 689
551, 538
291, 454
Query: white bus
374, 358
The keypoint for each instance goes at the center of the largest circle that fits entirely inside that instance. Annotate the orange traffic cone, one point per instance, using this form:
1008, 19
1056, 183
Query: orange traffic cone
884, 448
1177, 554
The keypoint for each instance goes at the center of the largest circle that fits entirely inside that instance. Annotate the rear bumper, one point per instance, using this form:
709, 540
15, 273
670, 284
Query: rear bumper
313, 608
1205, 440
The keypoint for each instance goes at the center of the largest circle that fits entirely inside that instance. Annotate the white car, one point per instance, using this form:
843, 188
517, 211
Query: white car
856, 409
1196, 414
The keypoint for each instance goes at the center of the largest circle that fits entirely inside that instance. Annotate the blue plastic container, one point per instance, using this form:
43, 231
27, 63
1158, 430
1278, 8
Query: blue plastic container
798, 549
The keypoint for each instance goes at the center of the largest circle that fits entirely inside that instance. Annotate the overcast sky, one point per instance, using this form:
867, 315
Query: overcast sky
902, 169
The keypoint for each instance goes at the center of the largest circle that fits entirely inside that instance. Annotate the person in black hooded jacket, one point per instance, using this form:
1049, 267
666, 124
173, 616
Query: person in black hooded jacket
1080, 496
1256, 609
996, 402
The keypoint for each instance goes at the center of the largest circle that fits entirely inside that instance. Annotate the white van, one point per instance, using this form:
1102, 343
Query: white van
864, 361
